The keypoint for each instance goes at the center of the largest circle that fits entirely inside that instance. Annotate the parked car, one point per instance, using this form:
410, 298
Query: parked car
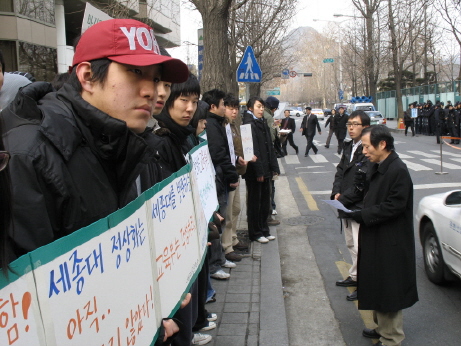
376, 118
319, 113
439, 224
327, 112
365, 106
296, 111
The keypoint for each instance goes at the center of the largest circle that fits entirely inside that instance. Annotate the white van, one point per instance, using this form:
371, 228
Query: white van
366, 106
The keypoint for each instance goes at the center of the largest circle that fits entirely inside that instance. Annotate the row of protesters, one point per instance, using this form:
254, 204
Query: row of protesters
78, 154
379, 191
259, 174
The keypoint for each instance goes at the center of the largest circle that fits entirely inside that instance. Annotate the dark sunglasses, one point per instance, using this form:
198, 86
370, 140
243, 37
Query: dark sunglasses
4, 158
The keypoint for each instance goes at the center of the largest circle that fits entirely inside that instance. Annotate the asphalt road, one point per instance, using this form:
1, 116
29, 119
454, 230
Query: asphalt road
434, 320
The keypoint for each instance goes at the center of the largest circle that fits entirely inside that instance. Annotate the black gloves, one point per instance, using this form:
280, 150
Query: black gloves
356, 215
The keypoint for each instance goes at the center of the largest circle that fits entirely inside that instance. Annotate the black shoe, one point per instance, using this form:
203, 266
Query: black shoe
233, 257
296, 149
315, 152
327, 146
353, 296
240, 246
370, 333
347, 282
305, 155
273, 222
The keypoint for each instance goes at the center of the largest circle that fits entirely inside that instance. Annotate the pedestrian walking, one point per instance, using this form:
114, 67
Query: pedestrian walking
288, 124
339, 125
308, 129
330, 121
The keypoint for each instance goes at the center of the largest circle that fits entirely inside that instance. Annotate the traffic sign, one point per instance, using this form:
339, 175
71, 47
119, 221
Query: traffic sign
285, 74
341, 94
328, 60
293, 74
249, 71
273, 92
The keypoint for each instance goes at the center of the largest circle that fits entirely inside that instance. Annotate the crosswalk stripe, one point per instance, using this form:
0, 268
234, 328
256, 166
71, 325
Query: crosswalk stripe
308, 167
282, 169
435, 186
444, 164
318, 158
404, 156
416, 167
422, 153
292, 159
446, 153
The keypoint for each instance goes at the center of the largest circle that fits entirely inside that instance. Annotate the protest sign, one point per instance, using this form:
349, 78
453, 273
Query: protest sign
247, 142
113, 281
230, 143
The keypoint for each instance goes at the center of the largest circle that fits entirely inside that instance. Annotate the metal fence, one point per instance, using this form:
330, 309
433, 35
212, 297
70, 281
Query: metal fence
443, 92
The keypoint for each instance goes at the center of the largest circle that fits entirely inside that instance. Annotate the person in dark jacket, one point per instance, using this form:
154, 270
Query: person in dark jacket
308, 125
339, 125
288, 124
352, 160
386, 263
330, 121
77, 153
259, 174
409, 120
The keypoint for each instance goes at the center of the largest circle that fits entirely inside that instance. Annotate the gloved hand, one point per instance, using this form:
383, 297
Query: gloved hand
356, 215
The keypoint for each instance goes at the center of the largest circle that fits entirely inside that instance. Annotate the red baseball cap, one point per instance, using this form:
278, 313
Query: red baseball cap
128, 41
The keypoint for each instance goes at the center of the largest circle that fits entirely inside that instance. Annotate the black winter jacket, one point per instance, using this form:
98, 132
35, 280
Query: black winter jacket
219, 151
263, 149
71, 164
346, 178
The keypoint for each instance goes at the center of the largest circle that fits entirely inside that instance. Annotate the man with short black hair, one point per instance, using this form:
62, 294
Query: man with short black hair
386, 263
308, 125
339, 125
288, 124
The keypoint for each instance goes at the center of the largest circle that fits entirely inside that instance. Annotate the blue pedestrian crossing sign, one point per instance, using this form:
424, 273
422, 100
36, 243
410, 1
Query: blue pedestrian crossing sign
249, 70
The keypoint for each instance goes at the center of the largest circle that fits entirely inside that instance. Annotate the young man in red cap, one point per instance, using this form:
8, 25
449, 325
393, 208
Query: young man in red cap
76, 154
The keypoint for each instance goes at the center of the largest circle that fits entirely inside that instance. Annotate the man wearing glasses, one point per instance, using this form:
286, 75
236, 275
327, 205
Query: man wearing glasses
344, 190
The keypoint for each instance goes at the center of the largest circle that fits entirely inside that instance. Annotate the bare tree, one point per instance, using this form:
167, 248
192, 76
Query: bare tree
450, 11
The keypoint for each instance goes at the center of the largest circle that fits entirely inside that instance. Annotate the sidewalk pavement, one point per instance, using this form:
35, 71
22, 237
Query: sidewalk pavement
250, 304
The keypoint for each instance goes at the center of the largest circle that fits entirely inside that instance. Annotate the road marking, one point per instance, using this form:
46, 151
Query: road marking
291, 159
318, 158
444, 164
308, 167
416, 166
322, 172
435, 186
311, 204
456, 159
403, 156
367, 315
325, 192
422, 153
446, 153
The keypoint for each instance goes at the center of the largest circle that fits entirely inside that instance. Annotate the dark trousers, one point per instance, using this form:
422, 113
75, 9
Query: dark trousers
310, 144
258, 207
188, 317
340, 145
410, 124
330, 134
292, 143
202, 280
278, 147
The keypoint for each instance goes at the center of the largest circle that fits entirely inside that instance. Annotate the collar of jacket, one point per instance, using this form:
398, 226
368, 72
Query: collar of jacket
384, 165
217, 117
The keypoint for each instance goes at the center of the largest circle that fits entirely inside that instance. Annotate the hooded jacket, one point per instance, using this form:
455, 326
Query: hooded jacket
71, 164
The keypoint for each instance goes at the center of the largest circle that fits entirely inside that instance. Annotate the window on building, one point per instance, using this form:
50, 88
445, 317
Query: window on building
42, 10
40, 61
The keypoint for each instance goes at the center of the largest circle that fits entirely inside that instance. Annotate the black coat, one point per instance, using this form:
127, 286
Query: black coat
309, 123
263, 149
330, 121
71, 164
340, 125
346, 178
290, 124
386, 261
219, 151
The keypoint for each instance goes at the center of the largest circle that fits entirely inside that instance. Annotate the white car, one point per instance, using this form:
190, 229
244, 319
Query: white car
319, 113
439, 224
376, 118
296, 111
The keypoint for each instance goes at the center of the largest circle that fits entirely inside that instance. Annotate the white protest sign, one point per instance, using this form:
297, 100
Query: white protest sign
20, 319
247, 142
414, 112
92, 16
230, 142
102, 291
176, 243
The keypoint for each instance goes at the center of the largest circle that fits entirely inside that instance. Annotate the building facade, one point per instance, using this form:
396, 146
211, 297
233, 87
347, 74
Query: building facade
37, 36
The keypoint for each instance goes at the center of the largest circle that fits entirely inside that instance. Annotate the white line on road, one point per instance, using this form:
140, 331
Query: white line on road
444, 164
291, 159
308, 167
318, 158
446, 153
404, 156
314, 172
416, 167
422, 153
282, 169
416, 187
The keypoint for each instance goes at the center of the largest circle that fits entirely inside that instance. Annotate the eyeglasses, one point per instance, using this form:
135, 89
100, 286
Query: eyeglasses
353, 124
4, 158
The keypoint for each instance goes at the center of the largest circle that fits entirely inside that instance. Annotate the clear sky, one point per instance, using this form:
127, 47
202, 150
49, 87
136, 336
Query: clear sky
308, 10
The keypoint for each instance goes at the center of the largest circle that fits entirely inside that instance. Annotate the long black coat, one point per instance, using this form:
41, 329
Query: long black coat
340, 125
386, 262
290, 124
263, 149
309, 123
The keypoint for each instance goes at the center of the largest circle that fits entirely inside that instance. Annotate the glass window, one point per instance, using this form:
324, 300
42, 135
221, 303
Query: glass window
42, 10
8, 49
6, 6
40, 61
